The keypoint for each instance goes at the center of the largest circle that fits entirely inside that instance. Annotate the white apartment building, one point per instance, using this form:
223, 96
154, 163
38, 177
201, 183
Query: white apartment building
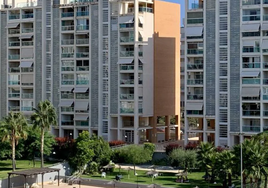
110, 67
225, 70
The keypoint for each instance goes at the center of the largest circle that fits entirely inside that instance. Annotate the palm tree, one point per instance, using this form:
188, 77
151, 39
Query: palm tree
44, 116
14, 127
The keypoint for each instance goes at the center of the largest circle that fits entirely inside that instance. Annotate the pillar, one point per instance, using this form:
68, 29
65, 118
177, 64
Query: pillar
153, 122
167, 128
178, 128
8, 180
24, 181
42, 180
58, 178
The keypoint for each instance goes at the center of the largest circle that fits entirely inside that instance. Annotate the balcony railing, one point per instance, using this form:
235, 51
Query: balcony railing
265, 1
67, 109
127, 96
82, 41
82, 68
67, 68
82, 13
14, 43
265, 65
28, 15
14, 57
197, 6
126, 25
67, 14
265, 97
195, 97
195, 82
27, 30
249, 128
27, 69
127, 53
27, 95
82, 82
127, 110
14, 16
127, 81
13, 108
82, 96
265, 81
251, 112
14, 69
14, 95
67, 55
251, 17
82, 54
194, 20
126, 39
251, 80
26, 108
251, 49
265, 17
145, 9
67, 28
265, 113
27, 43
14, 31
250, 98
67, 95
67, 42
251, 2
81, 123
194, 51
194, 66
67, 123
67, 82
14, 82
82, 27
252, 65
194, 112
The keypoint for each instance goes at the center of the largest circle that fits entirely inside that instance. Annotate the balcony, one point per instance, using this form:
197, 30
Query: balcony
82, 68
82, 96
195, 6
14, 95
27, 43
67, 95
265, 17
265, 65
127, 96
127, 54
252, 65
67, 68
265, 1
265, 97
82, 55
194, 66
140, 53
126, 25
247, 18
14, 57
27, 69
82, 41
14, 43
27, 30
67, 55
251, 49
251, 80
26, 108
81, 123
126, 67
67, 109
82, 82
195, 82
127, 81
82, 27
127, 110
194, 51
67, 123
251, 112
265, 81
14, 108
195, 21
126, 39
28, 15
14, 82
67, 28
145, 9
27, 95
250, 98
194, 112
82, 13
67, 82
13, 31
14, 69
251, 2
249, 128
14, 16
67, 42
67, 14
195, 97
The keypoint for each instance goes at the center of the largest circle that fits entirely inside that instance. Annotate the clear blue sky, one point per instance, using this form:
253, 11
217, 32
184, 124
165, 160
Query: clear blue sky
182, 3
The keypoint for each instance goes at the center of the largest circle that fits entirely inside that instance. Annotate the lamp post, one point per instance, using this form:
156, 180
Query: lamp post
137, 181
241, 156
64, 174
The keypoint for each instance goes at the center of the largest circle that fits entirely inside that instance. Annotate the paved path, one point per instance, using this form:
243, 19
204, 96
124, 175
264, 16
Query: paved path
64, 185
166, 169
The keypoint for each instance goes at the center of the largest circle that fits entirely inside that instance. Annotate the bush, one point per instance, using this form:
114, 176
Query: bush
184, 159
116, 143
171, 147
150, 147
92, 168
191, 146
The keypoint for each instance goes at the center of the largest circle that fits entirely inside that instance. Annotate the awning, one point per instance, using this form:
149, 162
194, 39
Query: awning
26, 36
80, 89
194, 106
250, 74
264, 44
81, 117
194, 31
67, 89
264, 27
141, 19
250, 92
12, 25
141, 61
68, 6
125, 61
250, 27
249, 43
66, 103
126, 19
80, 105
26, 64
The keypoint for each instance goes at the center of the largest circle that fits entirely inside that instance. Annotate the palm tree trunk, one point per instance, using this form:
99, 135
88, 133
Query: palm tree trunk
42, 148
265, 182
13, 154
229, 179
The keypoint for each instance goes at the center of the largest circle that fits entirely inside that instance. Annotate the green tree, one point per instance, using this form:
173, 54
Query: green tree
43, 117
13, 128
150, 147
83, 153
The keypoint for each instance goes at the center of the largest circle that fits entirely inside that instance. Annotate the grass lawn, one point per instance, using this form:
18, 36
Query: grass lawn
6, 166
166, 180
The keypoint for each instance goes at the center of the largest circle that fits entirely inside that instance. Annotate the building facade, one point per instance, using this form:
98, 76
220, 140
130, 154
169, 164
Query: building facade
109, 67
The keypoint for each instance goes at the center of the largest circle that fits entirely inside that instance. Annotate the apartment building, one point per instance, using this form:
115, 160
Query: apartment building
110, 67
225, 71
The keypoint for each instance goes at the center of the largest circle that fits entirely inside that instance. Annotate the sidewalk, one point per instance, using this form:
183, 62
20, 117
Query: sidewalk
166, 169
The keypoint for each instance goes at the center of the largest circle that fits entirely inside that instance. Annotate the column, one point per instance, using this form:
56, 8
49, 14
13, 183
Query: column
177, 129
154, 131
167, 128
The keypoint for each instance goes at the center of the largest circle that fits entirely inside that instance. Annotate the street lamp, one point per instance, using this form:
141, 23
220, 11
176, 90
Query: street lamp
64, 174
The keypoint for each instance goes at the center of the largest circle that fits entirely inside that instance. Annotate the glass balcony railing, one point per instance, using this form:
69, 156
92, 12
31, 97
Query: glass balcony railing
14, 82
249, 128
265, 113
14, 69
127, 110
82, 13
14, 43
193, 66
27, 69
194, 112
67, 28
82, 27
265, 17
127, 53
82, 96
67, 95
14, 57
145, 9
81, 123
67, 82
265, 65
194, 51
251, 80
27, 95
82, 41
13, 108
26, 108
251, 18
82, 55
252, 65
195, 82
194, 20
195, 6
67, 109
250, 98
27, 30
82, 82
67, 55
129, 67
27, 43
67, 68
67, 14
14, 16
67, 123
127, 81
265, 1
14, 95
265, 97
67, 42
126, 39
251, 2
265, 81
14, 31
82, 68
195, 97
127, 96
251, 112
140, 53
28, 15
126, 25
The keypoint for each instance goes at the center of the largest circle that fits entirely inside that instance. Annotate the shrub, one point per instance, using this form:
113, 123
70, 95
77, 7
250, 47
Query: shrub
150, 147
92, 168
191, 146
171, 147
116, 143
